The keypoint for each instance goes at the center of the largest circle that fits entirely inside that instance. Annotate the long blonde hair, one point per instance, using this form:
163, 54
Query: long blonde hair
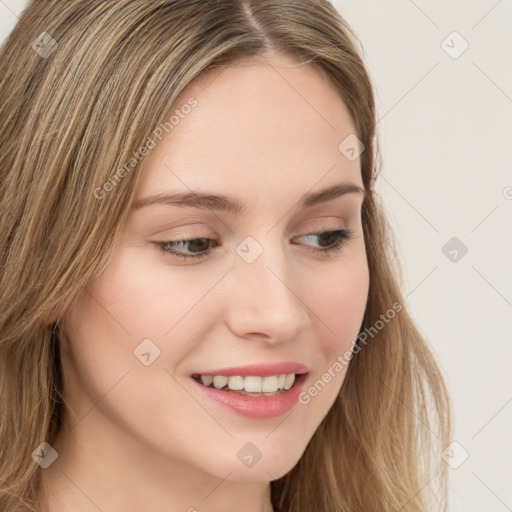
71, 117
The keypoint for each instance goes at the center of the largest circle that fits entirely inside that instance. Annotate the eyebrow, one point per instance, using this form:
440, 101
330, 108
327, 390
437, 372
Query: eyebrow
230, 205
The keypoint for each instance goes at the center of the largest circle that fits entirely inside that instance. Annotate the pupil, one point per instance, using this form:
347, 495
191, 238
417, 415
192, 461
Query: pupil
197, 242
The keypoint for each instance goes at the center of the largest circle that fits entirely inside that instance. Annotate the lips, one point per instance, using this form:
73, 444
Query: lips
262, 370
257, 390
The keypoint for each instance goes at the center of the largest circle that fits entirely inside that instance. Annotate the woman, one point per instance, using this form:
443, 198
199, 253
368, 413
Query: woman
200, 308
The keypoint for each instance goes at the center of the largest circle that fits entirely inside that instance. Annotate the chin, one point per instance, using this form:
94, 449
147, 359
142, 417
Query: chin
272, 464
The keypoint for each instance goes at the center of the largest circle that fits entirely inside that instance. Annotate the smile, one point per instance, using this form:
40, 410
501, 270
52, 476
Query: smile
251, 385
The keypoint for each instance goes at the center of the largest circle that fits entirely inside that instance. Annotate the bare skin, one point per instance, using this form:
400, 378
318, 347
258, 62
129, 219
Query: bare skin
145, 437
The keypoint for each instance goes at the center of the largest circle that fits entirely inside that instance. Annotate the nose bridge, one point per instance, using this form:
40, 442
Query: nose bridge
265, 300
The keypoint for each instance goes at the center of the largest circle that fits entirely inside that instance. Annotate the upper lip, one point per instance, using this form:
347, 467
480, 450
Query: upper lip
259, 369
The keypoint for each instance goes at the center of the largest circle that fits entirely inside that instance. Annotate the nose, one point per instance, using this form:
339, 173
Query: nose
268, 298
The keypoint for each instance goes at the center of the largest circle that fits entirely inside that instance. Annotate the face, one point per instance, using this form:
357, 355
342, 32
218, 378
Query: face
196, 289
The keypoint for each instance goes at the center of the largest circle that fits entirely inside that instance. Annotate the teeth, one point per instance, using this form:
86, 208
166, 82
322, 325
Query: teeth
219, 381
206, 379
251, 383
236, 383
270, 384
288, 383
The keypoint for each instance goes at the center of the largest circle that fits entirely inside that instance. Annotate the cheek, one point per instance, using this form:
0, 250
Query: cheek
139, 297
337, 299
339, 302
125, 305
135, 299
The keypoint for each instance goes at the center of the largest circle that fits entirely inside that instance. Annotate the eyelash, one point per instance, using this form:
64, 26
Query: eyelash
343, 235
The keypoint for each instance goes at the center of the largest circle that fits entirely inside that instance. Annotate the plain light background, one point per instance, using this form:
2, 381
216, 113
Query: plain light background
445, 124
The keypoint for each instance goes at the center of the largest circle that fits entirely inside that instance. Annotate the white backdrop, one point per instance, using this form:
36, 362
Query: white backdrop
442, 70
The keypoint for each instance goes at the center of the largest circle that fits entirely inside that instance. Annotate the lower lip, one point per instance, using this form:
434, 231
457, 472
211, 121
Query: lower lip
260, 407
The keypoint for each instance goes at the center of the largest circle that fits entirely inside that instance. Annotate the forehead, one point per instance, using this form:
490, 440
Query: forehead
258, 124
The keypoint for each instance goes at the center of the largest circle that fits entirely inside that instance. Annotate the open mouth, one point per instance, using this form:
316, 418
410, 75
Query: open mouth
251, 385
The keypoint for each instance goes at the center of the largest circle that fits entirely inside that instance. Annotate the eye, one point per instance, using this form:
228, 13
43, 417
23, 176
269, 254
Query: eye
200, 247
337, 238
